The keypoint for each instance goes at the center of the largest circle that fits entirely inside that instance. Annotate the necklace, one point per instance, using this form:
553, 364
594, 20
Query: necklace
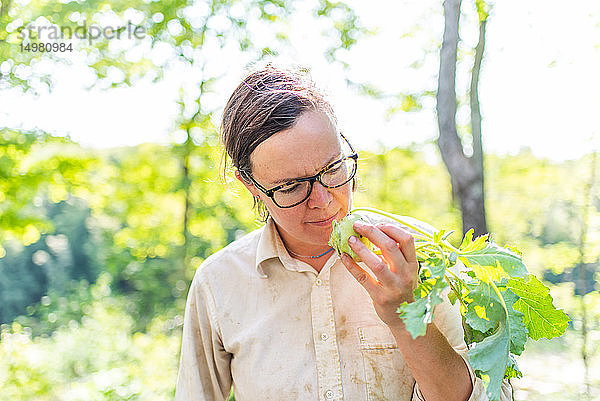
311, 257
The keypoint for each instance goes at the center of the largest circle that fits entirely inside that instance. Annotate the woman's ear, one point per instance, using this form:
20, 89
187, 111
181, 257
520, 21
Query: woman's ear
249, 186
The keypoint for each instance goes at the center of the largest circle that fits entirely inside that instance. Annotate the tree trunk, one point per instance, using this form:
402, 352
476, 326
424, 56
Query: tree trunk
4, 6
466, 173
478, 221
587, 205
187, 210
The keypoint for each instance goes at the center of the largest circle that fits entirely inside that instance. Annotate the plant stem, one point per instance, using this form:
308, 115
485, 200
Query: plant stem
458, 295
445, 259
393, 217
423, 233
425, 245
422, 255
497, 291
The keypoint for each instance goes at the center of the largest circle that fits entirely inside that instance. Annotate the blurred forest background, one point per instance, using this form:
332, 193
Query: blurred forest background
98, 246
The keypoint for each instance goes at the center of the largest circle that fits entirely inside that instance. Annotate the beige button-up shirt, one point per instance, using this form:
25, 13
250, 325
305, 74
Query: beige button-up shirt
277, 330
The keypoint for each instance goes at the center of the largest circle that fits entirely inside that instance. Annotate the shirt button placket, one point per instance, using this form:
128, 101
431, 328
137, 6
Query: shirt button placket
326, 351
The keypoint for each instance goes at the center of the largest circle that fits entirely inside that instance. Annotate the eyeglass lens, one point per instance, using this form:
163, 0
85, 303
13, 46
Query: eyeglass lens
335, 176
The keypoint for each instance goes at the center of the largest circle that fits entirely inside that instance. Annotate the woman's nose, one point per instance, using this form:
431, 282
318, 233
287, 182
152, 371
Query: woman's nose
319, 196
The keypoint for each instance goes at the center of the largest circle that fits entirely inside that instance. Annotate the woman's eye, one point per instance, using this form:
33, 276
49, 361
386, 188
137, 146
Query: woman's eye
290, 188
334, 169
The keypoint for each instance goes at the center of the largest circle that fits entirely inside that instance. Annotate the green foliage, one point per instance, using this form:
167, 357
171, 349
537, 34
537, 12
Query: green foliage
118, 210
488, 260
346, 27
483, 9
492, 357
99, 357
121, 223
405, 179
418, 314
502, 305
340, 234
540, 316
59, 309
49, 265
167, 25
544, 219
35, 164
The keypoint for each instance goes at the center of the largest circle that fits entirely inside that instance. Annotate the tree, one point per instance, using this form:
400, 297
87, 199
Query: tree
466, 172
166, 25
586, 348
35, 166
145, 263
172, 185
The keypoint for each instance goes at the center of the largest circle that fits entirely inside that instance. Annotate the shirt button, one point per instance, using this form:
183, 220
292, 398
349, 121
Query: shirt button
318, 282
329, 394
324, 336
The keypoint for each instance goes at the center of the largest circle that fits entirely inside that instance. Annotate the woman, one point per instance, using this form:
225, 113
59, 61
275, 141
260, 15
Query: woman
277, 314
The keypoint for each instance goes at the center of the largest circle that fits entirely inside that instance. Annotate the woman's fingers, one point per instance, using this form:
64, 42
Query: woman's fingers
377, 265
404, 240
399, 266
387, 245
370, 283
396, 270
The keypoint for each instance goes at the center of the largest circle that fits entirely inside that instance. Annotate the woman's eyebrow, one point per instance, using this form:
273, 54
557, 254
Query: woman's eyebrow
288, 179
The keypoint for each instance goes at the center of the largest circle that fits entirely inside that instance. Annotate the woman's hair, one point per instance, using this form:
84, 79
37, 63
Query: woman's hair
267, 101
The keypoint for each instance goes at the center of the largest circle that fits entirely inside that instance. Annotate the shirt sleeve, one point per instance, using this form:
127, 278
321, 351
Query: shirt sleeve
448, 320
204, 369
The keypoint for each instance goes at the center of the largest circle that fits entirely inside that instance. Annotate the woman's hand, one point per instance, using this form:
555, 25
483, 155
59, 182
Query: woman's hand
396, 270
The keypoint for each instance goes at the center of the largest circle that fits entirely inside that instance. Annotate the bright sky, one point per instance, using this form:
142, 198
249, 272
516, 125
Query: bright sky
539, 85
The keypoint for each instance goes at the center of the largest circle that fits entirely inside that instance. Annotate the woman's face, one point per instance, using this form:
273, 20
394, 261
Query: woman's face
301, 151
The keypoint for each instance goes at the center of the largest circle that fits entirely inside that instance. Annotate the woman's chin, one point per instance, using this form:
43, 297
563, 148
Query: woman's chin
319, 236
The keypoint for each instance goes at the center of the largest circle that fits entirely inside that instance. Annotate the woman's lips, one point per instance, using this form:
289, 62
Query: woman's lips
324, 223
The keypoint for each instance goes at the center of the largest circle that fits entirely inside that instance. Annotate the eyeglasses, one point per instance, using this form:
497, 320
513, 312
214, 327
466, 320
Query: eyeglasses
295, 192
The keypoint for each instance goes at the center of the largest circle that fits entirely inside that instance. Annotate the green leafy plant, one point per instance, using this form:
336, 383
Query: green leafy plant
502, 305
342, 231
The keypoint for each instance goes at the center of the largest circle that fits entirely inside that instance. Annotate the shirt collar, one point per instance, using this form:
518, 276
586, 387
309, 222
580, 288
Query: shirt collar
267, 245
271, 246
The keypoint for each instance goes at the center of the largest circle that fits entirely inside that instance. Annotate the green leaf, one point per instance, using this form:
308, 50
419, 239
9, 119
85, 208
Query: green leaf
452, 297
468, 239
446, 235
502, 306
485, 309
512, 370
492, 262
468, 244
540, 316
490, 358
419, 313
433, 267
452, 258
342, 230
518, 329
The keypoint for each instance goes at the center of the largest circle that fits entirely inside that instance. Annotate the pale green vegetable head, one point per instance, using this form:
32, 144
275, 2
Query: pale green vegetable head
342, 230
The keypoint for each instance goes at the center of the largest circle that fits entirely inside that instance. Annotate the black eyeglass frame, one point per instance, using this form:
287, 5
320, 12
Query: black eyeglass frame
311, 179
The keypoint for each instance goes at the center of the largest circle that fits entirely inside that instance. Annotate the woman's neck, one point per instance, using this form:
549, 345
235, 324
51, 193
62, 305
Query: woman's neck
300, 248
317, 263
314, 255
